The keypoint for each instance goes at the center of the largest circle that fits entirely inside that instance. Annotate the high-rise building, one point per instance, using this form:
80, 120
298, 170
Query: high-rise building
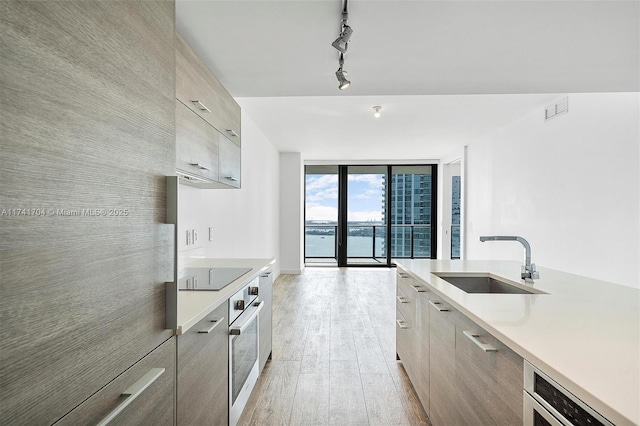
410, 215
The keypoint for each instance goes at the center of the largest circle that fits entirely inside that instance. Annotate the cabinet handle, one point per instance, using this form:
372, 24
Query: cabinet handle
418, 288
438, 307
209, 330
201, 106
231, 178
402, 299
132, 393
473, 337
200, 166
232, 133
403, 275
402, 324
265, 275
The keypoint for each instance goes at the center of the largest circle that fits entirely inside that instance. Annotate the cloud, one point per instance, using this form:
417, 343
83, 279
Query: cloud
325, 194
371, 180
370, 193
320, 182
318, 212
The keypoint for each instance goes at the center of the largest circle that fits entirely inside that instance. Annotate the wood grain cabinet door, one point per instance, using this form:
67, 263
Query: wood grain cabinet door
443, 404
200, 90
489, 377
143, 395
423, 386
229, 162
87, 116
203, 371
196, 144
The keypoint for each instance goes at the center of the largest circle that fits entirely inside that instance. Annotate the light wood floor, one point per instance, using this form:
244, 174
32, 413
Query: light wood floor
334, 359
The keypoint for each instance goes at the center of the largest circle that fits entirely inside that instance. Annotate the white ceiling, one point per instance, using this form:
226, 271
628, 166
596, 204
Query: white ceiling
276, 58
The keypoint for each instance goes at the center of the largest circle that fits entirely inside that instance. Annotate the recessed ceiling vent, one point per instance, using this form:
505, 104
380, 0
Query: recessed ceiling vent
560, 107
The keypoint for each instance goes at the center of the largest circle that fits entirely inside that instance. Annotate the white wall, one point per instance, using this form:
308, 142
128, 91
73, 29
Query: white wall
571, 186
291, 212
246, 221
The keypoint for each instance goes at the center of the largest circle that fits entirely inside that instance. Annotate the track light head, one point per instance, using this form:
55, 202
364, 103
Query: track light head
342, 79
341, 43
376, 110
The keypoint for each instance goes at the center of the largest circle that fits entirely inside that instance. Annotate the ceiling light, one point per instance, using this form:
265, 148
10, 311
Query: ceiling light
341, 42
342, 79
341, 75
377, 109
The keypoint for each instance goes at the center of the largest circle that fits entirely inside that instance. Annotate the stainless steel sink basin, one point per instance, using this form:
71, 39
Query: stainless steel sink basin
484, 284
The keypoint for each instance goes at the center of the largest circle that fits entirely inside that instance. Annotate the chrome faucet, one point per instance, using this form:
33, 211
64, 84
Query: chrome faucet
528, 272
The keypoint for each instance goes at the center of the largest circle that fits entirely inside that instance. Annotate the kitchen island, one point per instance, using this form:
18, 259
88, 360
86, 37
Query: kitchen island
583, 333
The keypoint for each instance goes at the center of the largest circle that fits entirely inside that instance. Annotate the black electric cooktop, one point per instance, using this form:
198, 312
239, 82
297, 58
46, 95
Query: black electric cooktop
211, 279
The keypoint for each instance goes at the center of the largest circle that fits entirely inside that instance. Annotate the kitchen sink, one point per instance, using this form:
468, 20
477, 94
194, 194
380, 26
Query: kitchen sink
484, 284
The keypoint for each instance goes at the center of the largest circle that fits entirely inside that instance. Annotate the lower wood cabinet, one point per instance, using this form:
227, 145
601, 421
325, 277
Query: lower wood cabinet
142, 395
462, 374
443, 402
489, 377
203, 371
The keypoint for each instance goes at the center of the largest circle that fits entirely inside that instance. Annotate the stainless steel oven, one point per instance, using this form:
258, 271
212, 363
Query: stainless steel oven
547, 403
244, 347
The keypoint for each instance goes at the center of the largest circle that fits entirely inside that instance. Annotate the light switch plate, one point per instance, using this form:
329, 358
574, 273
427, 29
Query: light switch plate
210, 233
195, 236
189, 237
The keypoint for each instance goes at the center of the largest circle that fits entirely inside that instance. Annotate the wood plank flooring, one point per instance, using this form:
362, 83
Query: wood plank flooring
334, 359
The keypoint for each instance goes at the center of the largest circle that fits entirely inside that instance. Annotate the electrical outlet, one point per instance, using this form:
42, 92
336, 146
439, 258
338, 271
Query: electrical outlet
210, 233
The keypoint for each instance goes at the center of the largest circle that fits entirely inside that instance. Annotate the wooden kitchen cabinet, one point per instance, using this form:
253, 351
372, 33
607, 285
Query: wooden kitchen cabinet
489, 377
208, 140
200, 90
153, 405
443, 403
196, 145
88, 116
424, 376
229, 162
203, 371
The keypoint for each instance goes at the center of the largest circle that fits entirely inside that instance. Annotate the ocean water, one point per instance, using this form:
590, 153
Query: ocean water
357, 246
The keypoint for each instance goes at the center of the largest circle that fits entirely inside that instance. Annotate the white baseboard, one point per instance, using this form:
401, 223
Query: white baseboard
290, 271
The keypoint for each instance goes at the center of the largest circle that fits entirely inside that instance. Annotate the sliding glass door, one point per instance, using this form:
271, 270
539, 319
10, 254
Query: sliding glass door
358, 215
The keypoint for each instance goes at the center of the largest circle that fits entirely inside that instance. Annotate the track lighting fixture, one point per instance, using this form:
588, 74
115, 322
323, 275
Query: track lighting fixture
377, 109
341, 75
341, 44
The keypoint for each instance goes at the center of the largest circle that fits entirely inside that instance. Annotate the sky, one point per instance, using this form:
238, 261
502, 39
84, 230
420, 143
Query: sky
364, 202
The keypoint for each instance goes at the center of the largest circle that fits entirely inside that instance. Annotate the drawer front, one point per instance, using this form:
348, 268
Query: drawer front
196, 144
489, 376
406, 345
152, 406
203, 371
409, 285
201, 91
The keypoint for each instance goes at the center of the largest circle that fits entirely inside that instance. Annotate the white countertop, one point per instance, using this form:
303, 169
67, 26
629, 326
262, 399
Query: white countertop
195, 305
584, 333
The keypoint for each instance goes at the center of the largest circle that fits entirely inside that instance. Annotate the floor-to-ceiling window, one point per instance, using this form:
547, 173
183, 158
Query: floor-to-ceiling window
369, 214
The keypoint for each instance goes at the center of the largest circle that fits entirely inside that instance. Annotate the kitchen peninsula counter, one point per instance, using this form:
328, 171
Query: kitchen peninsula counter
195, 305
583, 332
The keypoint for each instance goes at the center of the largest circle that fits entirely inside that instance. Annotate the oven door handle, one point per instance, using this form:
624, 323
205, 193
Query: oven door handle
238, 329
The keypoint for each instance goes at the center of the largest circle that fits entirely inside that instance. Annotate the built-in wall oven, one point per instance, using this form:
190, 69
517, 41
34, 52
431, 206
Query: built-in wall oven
244, 347
547, 403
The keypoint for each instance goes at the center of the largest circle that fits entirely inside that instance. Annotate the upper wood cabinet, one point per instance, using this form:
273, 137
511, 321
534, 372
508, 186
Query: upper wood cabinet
200, 90
208, 139
196, 145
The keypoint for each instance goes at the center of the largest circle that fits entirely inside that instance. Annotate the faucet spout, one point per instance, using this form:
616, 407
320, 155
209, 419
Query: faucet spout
529, 273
